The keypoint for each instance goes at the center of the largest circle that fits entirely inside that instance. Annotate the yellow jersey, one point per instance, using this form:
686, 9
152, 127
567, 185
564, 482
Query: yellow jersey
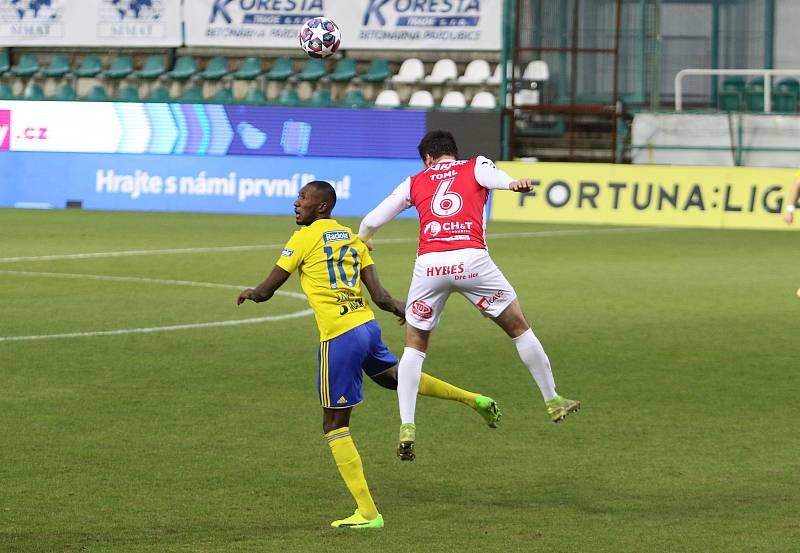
330, 257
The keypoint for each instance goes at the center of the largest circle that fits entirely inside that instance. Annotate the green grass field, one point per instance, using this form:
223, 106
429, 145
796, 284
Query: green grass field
680, 343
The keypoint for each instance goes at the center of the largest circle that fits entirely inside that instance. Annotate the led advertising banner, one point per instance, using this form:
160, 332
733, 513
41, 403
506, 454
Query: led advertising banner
90, 23
716, 197
209, 130
214, 184
381, 24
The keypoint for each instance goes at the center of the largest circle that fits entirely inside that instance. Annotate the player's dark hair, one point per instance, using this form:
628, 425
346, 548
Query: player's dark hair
438, 143
326, 189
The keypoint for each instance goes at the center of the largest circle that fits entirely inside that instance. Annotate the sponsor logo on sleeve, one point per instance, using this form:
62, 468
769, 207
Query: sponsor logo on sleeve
335, 236
287, 253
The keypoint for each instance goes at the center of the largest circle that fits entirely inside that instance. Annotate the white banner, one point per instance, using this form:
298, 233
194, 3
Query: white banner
374, 24
90, 23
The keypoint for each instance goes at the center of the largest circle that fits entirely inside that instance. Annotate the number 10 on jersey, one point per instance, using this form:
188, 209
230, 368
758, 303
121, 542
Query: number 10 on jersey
343, 257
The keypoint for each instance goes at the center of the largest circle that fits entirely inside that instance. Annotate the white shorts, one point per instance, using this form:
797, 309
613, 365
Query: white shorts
470, 272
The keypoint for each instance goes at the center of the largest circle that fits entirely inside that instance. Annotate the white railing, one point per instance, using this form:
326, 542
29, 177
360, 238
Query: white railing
766, 73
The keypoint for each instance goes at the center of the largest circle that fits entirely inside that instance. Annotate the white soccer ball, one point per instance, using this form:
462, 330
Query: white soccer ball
320, 37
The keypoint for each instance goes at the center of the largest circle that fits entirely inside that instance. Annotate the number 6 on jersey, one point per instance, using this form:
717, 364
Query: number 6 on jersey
446, 203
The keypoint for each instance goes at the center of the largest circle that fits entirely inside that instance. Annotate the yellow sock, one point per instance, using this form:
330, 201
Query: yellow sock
433, 387
349, 463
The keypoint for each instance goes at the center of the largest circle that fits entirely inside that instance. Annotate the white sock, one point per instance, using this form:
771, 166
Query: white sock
408, 374
532, 354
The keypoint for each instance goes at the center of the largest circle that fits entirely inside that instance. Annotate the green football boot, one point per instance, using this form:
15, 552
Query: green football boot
358, 522
408, 435
559, 407
488, 409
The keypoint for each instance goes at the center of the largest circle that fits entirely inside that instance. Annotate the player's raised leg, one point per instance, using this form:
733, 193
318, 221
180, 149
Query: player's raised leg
531, 352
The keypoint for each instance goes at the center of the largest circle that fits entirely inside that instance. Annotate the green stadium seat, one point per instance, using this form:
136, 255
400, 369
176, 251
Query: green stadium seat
216, 69
729, 100
65, 93
127, 94
222, 96
121, 67
159, 94
354, 99
152, 69
280, 70
784, 99
185, 68
90, 67
192, 95
756, 82
344, 72
321, 98
377, 72
97, 93
249, 69
255, 96
6, 93
288, 97
313, 70
5, 63
754, 95
27, 66
58, 67
734, 83
33, 92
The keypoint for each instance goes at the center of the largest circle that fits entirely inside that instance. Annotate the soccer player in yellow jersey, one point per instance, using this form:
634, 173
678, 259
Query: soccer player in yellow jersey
333, 263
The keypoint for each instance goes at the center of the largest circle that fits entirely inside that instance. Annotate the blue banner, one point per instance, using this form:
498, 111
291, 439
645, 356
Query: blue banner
214, 184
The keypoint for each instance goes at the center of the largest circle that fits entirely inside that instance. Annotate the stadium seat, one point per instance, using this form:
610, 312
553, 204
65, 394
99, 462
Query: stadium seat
377, 72
411, 71
784, 99
255, 96
91, 66
421, 99
121, 67
729, 100
354, 99
496, 76
6, 93
222, 96
159, 94
483, 100
321, 98
734, 82
5, 63
127, 94
216, 69
387, 99
280, 70
249, 69
477, 72
58, 66
152, 69
65, 93
754, 95
313, 70
454, 100
27, 66
185, 68
536, 70
288, 97
345, 71
444, 70
33, 92
97, 93
192, 95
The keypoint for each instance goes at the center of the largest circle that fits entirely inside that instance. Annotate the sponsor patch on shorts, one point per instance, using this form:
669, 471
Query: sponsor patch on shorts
421, 310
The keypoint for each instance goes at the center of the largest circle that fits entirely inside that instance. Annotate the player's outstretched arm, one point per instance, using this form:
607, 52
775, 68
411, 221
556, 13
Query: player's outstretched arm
266, 289
380, 295
489, 176
394, 204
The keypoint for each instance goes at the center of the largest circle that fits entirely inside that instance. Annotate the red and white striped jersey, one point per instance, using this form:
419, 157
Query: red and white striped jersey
450, 198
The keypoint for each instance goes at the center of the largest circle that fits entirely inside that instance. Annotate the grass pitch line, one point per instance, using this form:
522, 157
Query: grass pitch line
146, 330
378, 241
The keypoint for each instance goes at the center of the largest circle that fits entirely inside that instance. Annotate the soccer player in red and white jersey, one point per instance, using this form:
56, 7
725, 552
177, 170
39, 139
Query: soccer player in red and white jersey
450, 196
